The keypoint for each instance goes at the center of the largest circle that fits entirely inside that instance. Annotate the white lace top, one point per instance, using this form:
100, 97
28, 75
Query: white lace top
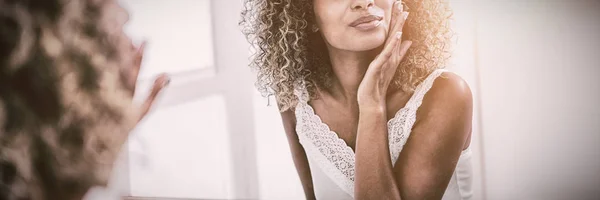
332, 162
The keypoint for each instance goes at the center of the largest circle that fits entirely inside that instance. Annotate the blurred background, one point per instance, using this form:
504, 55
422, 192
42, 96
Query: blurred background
532, 66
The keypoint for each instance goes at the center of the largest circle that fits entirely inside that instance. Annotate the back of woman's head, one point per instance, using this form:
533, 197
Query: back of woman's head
64, 111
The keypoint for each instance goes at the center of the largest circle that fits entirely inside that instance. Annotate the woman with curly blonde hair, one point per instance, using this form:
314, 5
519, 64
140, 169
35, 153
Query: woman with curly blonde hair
67, 77
362, 105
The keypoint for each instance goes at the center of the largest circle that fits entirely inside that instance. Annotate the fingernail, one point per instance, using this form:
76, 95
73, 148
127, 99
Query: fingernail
167, 82
398, 34
405, 15
399, 5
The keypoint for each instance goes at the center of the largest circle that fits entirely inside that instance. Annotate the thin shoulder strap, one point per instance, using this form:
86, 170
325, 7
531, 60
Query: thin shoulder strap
422, 89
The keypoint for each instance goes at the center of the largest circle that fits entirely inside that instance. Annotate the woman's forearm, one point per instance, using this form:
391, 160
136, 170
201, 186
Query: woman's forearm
374, 178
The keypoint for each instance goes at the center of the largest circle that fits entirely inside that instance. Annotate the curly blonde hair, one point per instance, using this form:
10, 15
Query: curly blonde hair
64, 109
287, 52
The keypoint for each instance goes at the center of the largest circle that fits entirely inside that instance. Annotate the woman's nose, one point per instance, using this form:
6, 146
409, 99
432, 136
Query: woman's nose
361, 4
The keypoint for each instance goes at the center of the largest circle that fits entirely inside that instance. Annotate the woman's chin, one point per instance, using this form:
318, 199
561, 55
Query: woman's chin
368, 42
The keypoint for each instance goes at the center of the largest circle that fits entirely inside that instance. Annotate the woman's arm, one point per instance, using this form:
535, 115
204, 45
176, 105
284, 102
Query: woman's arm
374, 176
298, 154
440, 133
427, 161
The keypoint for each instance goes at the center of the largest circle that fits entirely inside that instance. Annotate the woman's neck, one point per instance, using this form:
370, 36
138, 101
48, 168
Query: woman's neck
349, 68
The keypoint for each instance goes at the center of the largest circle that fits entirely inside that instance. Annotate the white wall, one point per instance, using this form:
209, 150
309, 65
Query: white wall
539, 65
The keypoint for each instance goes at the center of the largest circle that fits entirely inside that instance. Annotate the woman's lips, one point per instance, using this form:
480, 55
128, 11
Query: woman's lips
366, 23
